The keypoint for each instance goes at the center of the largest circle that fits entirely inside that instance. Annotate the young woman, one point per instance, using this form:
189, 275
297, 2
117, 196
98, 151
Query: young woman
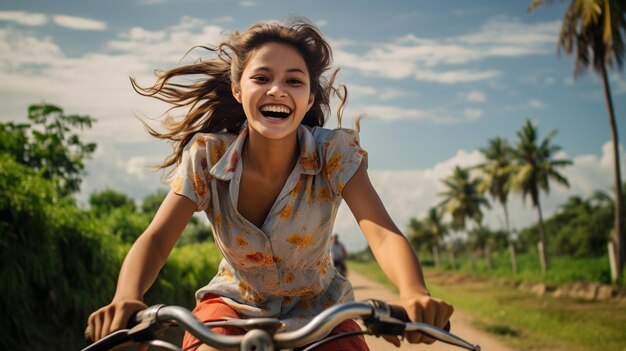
252, 154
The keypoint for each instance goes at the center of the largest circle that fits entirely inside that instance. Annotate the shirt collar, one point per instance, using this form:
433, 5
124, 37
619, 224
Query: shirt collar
309, 161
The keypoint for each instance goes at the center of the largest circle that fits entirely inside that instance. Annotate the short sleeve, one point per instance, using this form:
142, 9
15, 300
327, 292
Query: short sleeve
191, 178
343, 156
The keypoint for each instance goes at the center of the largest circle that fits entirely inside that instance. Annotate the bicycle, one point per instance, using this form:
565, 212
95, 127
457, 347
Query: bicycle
263, 334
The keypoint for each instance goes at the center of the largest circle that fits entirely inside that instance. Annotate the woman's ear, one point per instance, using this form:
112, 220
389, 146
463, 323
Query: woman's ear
311, 101
236, 93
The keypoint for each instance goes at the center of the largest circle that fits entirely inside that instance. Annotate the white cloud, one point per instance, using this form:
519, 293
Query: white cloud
434, 60
536, 103
168, 45
223, 19
392, 113
141, 166
390, 94
79, 23
140, 34
361, 90
18, 50
247, 4
405, 193
472, 114
38, 19
321, 23
153, 2
109, 169
24, 18
383, 94
542, 77
474, 96
455, 76
503, 36
618, 84
608, 156
35, 68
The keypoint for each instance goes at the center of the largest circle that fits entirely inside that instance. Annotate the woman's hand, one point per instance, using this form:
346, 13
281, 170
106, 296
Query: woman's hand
112, 317
422, 308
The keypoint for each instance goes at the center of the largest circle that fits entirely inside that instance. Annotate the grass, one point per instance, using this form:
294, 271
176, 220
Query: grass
523, 320
563, 269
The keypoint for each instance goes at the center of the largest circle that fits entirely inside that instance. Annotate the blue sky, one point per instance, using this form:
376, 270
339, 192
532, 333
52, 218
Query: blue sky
434, 79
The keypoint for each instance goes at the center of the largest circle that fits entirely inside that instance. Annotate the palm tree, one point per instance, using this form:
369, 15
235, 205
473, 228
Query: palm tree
593, 30
496, 172
434, 224
462, 200
534, 167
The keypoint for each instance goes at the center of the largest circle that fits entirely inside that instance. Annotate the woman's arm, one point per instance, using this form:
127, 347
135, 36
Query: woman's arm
142, 265
393, 253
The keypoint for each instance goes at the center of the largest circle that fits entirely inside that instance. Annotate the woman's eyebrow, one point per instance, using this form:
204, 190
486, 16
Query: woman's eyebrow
291, 70
295, 70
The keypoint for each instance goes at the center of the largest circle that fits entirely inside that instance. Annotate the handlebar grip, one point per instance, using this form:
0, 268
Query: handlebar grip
133, 320
400, 313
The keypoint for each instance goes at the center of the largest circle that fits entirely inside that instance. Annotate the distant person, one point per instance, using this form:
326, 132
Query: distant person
251, 152
339, 255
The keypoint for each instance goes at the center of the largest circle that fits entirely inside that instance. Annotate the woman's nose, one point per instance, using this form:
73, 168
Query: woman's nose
276, 90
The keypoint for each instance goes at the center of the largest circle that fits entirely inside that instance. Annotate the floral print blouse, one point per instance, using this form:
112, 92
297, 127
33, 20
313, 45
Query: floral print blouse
283, 269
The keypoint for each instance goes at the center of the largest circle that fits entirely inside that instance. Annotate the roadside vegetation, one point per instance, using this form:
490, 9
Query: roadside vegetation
521, 319
60, 261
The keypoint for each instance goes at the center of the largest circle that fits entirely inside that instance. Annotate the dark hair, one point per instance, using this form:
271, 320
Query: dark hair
210, 104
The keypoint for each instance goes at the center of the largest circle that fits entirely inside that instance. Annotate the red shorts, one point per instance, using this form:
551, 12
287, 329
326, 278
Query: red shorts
213, 308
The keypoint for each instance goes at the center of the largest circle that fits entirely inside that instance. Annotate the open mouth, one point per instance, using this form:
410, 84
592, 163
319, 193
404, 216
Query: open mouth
276, 111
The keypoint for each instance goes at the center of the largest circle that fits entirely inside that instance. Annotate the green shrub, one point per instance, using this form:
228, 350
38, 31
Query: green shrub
57, 263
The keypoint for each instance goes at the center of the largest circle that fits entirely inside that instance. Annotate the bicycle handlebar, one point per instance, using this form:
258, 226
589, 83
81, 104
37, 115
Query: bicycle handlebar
378, 317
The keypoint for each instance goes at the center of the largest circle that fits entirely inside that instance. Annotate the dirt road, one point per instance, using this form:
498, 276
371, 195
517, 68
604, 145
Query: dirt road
367, 289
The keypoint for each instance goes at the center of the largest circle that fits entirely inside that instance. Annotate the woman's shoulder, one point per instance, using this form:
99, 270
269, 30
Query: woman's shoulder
213, 138
211, 146
325, 136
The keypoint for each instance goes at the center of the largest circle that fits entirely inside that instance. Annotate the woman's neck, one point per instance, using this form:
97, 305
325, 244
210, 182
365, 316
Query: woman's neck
271, 159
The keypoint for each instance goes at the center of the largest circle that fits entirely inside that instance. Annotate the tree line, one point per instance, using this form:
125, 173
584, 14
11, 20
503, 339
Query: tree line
580, 228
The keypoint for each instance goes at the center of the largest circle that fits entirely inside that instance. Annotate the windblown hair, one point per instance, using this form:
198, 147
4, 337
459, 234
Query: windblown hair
209, 102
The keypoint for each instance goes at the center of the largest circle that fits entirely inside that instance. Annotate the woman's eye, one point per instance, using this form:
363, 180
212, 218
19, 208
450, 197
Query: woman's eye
294, 81
260, 79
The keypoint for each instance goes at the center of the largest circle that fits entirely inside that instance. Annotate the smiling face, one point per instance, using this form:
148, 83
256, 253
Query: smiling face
274, 90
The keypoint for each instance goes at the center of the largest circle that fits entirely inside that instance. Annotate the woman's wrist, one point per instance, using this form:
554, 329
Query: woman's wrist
413, 291
127, 298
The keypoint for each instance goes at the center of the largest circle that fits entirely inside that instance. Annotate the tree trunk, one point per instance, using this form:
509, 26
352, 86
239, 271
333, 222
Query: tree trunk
513, 257
453, 259
613, 261
436, 255
618, 217
543, 248
510, 238
487, 251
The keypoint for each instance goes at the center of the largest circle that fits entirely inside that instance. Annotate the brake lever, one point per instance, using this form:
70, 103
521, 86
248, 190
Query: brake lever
144, 326
112, 340
389, 319
384, 321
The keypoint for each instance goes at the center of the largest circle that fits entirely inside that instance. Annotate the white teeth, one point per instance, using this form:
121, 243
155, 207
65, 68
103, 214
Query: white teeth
276, 108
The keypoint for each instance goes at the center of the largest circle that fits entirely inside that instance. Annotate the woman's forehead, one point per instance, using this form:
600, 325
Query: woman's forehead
271, 56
